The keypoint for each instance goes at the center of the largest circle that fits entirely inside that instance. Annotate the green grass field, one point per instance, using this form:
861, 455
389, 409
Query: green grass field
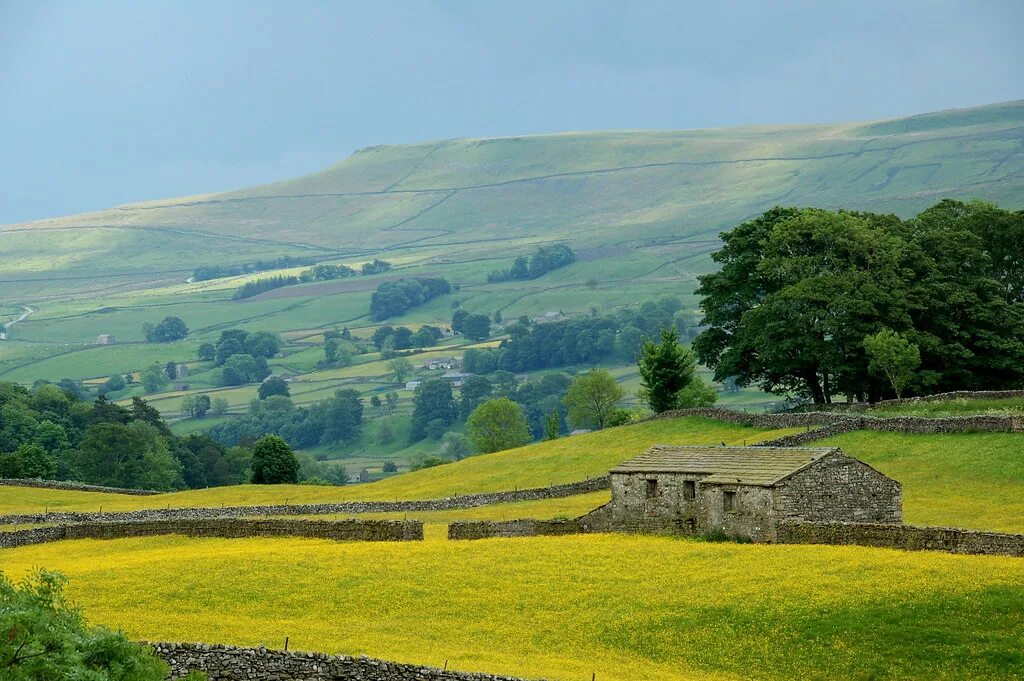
972, 480
620, 607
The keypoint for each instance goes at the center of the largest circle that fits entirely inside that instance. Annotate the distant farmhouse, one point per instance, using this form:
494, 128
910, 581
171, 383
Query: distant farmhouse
105, 339
455, 377
446, 363
746, 491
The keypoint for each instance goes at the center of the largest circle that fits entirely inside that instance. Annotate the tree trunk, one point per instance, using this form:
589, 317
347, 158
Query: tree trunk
814, 386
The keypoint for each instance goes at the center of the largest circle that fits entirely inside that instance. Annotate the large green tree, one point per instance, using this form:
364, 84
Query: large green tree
274, 462
665, 368
498, 424
592, 397
800, 289
434, 409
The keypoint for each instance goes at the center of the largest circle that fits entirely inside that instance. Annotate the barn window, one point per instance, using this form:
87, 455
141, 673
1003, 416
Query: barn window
689, 489
652, 488
729, 501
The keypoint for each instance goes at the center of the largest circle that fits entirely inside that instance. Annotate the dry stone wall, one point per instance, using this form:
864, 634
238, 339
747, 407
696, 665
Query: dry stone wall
73, 486
826, 424
234, 528
467, 501
906, 537
938, 397
526, 527
227, 663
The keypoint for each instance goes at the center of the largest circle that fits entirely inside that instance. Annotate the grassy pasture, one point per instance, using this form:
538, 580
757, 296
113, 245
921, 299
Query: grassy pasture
622, 607
972, 480
538, 465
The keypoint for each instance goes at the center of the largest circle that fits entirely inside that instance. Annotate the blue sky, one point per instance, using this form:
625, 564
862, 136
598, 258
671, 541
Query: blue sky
107, 102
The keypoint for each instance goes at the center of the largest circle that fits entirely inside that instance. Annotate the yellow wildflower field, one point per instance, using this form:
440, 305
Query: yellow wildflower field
622, 607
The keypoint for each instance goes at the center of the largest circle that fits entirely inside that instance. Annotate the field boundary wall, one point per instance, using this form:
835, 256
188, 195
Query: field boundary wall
446, 504
223, 663
232, 528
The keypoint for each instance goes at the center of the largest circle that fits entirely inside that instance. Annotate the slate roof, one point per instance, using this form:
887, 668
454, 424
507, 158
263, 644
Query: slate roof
736, 465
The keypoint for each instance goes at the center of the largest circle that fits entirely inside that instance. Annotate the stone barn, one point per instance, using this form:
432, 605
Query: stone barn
747, 491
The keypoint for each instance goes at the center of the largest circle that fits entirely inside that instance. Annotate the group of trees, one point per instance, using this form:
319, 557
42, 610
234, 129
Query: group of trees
315, 273
326, 273
472, 326
335, 420
168, 330
402, 338
546, 258
584, 341
241, 355
50, 433
834, 303
376, 266
257, 286
436, 409
221, 271
393, 298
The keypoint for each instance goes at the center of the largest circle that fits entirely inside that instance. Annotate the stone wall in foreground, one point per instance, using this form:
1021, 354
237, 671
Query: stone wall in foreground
233, 528
467, 501
227, 663
73, 486
906, 537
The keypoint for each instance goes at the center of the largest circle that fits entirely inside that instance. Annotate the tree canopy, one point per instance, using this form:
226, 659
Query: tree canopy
592, 397
273, 462
665, 368
800, 289
498, 424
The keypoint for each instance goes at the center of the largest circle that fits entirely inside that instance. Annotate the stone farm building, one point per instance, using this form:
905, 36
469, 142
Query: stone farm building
747, 491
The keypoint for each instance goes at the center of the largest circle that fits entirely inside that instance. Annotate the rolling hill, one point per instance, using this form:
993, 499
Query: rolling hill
654, 200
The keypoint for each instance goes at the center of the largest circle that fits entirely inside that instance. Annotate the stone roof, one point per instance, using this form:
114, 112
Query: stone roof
722, 465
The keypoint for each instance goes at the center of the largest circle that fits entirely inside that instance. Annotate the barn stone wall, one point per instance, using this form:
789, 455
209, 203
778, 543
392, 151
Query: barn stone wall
227, 663
838, 488
342, 530
906, 537
671, 511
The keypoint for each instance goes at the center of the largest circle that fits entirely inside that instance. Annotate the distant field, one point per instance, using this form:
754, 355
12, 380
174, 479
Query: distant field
565, 460
621, 607
973, 480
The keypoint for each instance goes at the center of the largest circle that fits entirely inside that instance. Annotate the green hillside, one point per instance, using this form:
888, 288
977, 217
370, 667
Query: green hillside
653, 198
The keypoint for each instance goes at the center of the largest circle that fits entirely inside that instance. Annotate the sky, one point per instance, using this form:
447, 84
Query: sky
106, 102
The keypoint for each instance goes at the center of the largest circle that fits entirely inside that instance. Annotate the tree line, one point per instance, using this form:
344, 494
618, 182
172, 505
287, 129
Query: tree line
336, 420
583, 341
546, 259
823, 303
208, 272
51, 433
